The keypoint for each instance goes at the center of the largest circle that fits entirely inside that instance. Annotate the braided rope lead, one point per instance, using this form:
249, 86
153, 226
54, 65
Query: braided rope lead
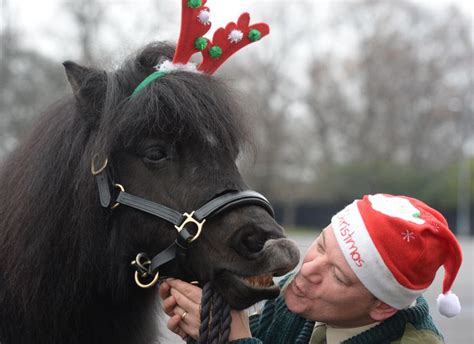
206, 304
215, 325
226, 320
215, 318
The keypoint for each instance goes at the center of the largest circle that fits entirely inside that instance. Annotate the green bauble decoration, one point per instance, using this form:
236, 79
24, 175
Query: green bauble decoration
194, 3
215, 51
254, 35
200, 43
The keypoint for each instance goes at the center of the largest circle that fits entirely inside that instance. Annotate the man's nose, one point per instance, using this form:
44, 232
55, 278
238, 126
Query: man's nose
315, 269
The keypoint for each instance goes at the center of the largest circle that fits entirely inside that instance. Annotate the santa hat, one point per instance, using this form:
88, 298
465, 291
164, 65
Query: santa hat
395, 245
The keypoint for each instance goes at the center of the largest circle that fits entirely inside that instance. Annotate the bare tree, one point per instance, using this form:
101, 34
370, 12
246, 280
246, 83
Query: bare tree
6, 43
28, 82
268, 80
400, 96
88, 16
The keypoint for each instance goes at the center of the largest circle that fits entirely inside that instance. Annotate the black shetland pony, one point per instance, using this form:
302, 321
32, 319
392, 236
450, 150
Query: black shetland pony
65, 273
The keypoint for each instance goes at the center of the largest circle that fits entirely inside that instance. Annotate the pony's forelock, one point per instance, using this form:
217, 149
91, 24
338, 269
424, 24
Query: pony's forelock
181, 105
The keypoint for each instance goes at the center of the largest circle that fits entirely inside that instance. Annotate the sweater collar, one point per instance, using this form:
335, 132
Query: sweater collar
336, 335
393, 327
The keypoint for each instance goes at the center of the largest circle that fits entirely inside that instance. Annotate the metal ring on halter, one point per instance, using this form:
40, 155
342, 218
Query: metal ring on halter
190, 218
146, 285
94, 170
142, 266
121, 188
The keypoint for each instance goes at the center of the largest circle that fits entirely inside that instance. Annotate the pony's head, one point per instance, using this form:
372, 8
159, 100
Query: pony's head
108, 174
175, 143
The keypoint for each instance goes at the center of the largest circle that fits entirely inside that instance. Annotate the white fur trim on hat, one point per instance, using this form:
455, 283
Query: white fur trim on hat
448, 304
364, 259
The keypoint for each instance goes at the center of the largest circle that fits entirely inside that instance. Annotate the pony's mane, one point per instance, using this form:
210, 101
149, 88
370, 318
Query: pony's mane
55, 247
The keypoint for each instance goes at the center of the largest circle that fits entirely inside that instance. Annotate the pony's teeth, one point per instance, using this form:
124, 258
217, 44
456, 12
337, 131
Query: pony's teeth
265, 280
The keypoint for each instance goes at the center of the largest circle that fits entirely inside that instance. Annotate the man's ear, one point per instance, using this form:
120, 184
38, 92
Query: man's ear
381, 311
88, 85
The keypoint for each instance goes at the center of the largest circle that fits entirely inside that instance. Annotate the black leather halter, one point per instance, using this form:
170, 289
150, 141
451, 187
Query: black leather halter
145, 268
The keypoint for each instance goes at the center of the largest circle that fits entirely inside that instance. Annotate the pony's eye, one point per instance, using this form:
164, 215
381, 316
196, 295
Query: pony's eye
154, 156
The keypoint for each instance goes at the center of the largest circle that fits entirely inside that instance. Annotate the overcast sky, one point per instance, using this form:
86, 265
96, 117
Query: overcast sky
45, 26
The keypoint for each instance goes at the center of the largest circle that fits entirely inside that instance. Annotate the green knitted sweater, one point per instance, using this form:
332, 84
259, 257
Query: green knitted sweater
277, 325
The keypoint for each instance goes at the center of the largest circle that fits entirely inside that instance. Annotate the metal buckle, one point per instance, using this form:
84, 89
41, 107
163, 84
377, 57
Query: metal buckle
122, 189
94, 170
141, 264
190, 218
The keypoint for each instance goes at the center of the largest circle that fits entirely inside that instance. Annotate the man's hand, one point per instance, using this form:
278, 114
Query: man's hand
182, 303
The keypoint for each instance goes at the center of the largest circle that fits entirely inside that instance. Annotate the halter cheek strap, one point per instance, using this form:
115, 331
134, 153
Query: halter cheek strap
160, 266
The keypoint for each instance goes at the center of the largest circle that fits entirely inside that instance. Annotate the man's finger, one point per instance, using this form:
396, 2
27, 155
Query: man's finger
173, 323
164, 290
192, 292
190, 328
182, 334
184, 302
168, 305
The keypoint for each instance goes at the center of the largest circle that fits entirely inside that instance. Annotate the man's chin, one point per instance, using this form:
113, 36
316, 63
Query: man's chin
292, 301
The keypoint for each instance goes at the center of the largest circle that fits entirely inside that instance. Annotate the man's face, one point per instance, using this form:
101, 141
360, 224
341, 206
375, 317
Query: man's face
326, 289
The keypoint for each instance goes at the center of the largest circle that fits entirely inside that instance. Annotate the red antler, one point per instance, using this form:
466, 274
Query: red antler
226, 42
194, 24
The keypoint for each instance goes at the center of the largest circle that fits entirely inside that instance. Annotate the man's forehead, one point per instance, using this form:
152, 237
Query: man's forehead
330, 241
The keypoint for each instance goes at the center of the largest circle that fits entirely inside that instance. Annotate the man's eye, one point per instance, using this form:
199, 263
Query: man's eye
337, 278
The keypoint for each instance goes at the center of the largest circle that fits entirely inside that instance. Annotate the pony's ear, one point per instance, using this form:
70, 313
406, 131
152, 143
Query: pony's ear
87, 84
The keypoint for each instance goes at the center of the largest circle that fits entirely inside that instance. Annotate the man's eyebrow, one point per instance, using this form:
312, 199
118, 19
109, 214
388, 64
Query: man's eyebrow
324, 238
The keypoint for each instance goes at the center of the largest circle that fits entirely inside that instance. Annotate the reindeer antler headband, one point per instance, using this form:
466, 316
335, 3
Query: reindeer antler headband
226, 41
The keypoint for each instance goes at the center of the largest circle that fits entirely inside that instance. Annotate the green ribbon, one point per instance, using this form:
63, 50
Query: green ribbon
150, 78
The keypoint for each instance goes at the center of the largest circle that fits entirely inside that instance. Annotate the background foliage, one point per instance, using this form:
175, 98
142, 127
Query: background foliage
346, 99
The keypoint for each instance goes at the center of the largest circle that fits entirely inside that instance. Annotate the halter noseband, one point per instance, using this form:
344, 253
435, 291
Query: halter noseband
146, 268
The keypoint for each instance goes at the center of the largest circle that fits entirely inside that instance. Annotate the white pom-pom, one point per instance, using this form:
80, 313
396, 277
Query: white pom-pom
236, 36
448, 304
204, 17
